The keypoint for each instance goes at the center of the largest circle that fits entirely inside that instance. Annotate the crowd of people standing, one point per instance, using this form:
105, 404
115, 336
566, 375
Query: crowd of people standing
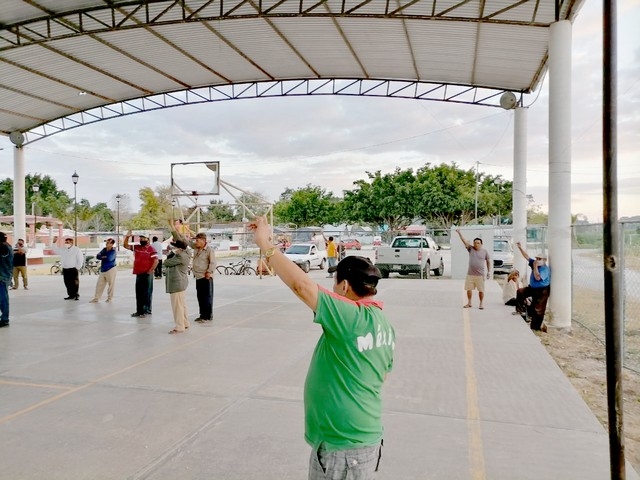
187, 253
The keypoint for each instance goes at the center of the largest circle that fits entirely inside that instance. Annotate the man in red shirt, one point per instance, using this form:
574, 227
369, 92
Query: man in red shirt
145, 260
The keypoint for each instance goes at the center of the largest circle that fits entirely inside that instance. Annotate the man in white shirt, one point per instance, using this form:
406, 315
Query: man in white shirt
72, 260
157, 246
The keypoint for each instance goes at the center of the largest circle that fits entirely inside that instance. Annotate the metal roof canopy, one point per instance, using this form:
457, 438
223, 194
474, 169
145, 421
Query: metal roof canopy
66, 63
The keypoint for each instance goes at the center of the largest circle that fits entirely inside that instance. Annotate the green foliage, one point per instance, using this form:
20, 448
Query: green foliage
440, 195
445, 195
155, 209
48, 201
387, 199
220, 212
311, 205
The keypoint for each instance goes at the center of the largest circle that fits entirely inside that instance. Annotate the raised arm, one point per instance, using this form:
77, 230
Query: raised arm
126, 241
177, 235
298, 281
522, 251
464, 240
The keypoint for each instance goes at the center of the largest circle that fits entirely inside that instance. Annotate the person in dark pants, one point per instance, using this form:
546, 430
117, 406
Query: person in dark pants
72, 260
204, 264
538, 289
203, 267
157, 246
6, 267
145, 261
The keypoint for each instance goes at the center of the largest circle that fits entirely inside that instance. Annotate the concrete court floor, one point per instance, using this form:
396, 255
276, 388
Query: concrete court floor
87, 392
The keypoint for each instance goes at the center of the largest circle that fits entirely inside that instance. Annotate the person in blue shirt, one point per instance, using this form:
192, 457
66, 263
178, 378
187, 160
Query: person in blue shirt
538, 289
6, 270
108, 269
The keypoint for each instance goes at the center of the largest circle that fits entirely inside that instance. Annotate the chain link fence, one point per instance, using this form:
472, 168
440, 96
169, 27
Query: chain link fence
588, 284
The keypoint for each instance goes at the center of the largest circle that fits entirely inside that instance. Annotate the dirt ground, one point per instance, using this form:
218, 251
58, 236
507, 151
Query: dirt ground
581, 355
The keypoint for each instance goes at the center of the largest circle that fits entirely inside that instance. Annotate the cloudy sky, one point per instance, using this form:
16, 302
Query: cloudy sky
267, 145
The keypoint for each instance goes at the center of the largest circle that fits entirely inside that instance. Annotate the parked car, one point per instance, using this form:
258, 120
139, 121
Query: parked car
306, 255
350, 244
410, 254
377, 241
502, 256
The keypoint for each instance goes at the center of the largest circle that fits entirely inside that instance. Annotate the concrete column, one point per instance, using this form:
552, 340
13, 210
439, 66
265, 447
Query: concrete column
520, 188
560, 173
19, 214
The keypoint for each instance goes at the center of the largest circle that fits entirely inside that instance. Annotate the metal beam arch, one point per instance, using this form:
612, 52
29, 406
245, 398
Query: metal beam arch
413, 90
136, 14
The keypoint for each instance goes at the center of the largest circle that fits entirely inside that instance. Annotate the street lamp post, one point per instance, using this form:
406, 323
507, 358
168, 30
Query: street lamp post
35, 189
75, 178
118, 197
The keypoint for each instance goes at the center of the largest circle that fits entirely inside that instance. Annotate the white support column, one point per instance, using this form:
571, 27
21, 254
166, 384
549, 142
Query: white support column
19, 214
560, 173
520, 188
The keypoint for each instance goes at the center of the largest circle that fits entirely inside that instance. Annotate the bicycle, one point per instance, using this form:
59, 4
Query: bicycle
91, 265
222, 270
243, 267
56, 268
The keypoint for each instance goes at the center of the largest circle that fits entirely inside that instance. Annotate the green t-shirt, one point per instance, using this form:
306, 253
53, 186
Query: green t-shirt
342, 393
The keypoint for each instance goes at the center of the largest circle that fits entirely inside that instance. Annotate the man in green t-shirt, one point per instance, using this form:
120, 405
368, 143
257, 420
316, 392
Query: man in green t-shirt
342, 394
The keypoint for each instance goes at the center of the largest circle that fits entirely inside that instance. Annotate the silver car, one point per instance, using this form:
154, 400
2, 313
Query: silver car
502, 256
306, 255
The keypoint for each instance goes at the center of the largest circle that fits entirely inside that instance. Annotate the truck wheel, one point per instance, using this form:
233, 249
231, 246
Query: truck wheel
384, 272
306, 266
426, 273
440, 270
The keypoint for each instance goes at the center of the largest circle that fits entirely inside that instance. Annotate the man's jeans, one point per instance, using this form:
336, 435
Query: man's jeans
144, 286
353, 464
4, 301
204, 292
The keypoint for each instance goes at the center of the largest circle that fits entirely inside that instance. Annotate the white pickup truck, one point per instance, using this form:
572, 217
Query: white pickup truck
410, 254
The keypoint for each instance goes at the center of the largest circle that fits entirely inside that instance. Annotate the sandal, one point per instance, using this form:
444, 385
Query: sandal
481, 307
468, 305
171, 332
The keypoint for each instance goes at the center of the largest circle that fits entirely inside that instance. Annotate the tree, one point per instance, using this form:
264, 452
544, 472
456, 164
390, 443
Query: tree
102, 218
49, 201
311, 205
383, 200
219, 212
154, 212
445, 195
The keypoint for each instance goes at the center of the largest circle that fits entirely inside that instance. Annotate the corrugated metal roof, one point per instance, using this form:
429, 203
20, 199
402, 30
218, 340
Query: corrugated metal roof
69, 56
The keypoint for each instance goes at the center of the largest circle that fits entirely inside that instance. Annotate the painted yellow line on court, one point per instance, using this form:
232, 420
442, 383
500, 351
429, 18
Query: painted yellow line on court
476, 450
36, 385
90, 383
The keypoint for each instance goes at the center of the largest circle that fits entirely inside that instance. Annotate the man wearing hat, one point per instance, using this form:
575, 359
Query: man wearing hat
108, 270
145, 260
203, 267
177, 280
342, 393
538, 289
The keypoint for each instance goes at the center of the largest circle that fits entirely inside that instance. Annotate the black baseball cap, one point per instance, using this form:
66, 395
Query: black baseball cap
357, 269
179, 244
